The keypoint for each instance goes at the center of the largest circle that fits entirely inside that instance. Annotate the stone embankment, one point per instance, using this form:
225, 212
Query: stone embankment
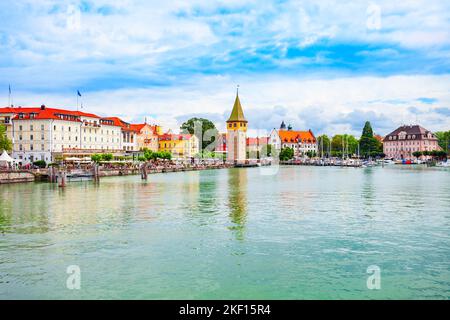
16, 176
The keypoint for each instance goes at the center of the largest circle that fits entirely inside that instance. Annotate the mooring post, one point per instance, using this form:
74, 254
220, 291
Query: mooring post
96, 173
62, 179
144, 171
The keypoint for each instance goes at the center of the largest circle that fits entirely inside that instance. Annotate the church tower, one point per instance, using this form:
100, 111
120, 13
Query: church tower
237, 133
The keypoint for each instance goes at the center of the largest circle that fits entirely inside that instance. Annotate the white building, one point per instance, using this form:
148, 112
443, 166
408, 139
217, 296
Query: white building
300, 141
45, 133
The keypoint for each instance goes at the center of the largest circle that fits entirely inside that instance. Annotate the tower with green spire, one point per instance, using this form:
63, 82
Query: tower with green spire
237, 133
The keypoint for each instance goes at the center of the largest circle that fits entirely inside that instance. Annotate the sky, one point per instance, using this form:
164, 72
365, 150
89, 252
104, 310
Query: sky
323, 65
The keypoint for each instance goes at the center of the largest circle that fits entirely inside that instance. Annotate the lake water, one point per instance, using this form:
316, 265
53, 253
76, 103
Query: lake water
303, 233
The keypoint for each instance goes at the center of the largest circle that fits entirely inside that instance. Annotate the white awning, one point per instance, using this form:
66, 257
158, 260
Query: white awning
5, 157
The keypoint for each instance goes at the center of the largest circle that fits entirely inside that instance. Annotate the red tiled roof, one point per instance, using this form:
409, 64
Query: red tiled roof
137, 127
288, 136
46, 113
120, 123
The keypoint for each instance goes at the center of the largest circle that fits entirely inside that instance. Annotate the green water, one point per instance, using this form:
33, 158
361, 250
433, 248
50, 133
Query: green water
303, 233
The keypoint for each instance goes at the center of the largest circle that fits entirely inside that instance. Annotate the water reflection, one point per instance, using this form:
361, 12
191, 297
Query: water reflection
368, 191
237, 200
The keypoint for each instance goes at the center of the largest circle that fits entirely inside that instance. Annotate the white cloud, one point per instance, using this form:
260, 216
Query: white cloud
303, 103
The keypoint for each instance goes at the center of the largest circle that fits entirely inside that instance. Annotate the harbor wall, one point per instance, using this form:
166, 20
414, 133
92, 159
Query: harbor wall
16, 176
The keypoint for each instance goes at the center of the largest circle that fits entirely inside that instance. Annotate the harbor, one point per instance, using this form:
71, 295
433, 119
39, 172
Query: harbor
230, 234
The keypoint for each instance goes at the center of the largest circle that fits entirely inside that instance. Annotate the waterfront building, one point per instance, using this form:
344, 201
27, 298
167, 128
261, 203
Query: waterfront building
179, 145
45, 133
128, 134
147, 136
257, 146
49, 134
237, 133
407, 139
221, 144
300, 141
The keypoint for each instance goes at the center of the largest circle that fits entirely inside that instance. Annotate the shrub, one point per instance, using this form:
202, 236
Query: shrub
40, 163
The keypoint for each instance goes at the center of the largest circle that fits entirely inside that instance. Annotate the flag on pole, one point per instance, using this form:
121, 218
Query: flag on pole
9, 89
78, 92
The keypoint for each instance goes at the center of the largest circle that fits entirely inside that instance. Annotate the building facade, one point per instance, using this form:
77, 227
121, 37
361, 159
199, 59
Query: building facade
405, 140
49, 134
237, 134
147, 136
257, 147
179, 145
301, 142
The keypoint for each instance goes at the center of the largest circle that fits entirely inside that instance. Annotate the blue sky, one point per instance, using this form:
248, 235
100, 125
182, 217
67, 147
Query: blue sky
324, 65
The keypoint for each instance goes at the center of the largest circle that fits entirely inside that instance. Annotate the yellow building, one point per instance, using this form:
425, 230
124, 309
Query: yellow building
237, 133
179, 145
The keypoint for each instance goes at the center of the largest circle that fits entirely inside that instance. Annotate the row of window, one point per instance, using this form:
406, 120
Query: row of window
68, 128
234, 125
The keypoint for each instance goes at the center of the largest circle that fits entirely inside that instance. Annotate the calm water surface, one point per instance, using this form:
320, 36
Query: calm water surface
304, 233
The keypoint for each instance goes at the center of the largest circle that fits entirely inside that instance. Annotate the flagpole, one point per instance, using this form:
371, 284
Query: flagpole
9, 96
77, 101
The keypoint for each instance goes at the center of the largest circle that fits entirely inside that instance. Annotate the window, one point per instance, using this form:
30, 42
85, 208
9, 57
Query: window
20, 128
42, 147
31, 147
31, 137
42, 136
42, 127
20, 147
54, 128
20, 137
31, 127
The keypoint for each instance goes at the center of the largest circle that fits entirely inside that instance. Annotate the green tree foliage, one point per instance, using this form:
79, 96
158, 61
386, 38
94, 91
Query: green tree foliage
151, 155
204, 129
96, 158
102, 157
286, 154
444, 140
5, 143
417, 154
343, 141
325, 140
311, 154
369, 145
107, 157
40, 163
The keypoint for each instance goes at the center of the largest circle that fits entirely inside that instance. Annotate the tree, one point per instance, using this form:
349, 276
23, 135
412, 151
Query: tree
343, 141
40, 163
311, 154
107, 157
444, 140
204, 129
417, 154
96, 158
369, 145
286, 154
325, 141
5, 143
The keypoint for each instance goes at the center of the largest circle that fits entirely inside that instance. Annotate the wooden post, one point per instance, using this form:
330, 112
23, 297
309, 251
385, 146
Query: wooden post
62, 179
96, 173
144, 171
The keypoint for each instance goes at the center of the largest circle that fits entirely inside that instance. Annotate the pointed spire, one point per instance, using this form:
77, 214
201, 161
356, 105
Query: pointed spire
237, 114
